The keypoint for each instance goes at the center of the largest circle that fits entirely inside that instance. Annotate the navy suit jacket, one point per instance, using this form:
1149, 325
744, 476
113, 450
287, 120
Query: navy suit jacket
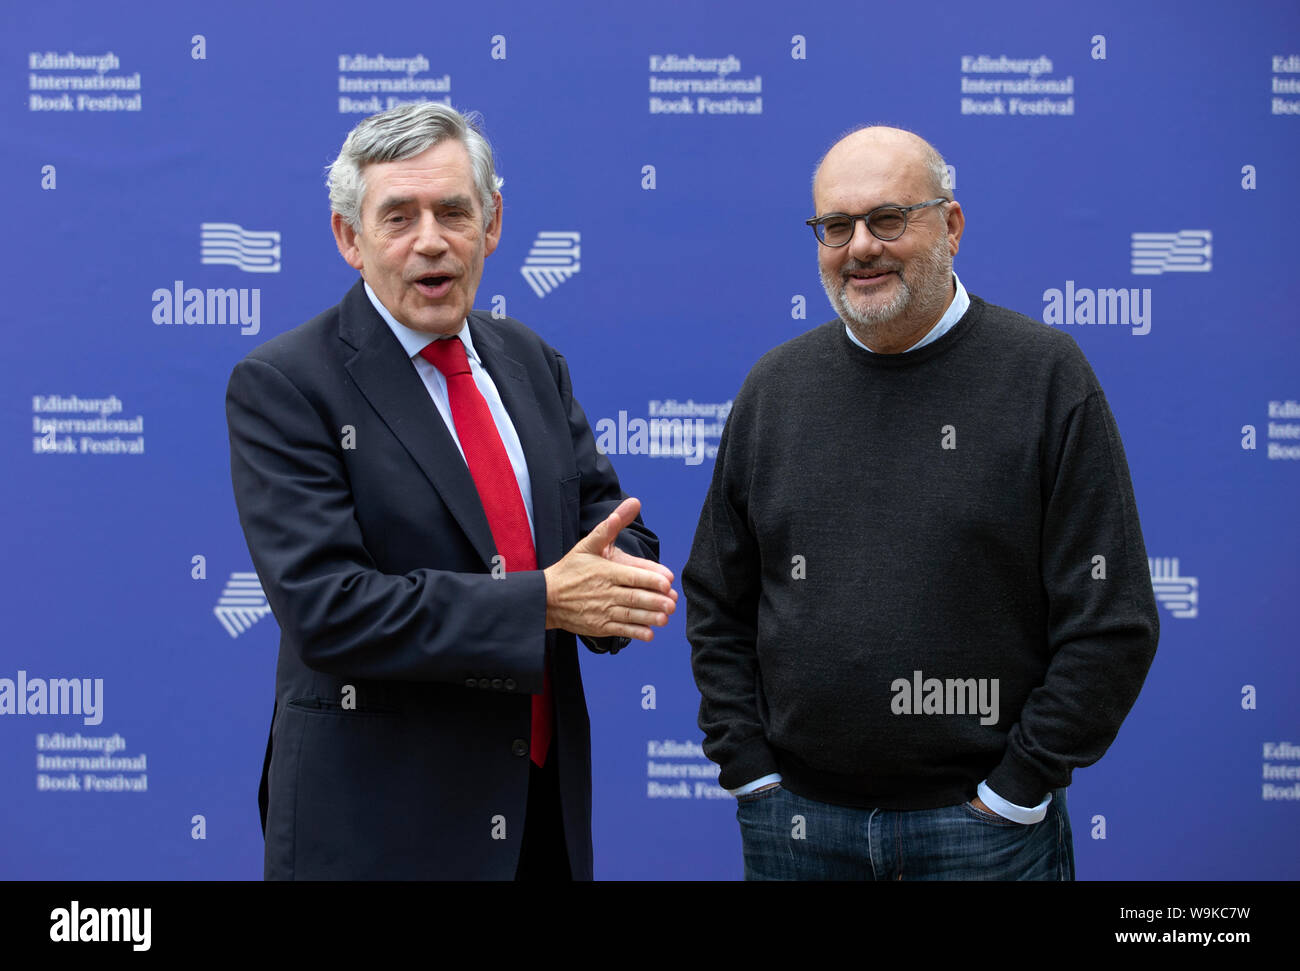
399, 740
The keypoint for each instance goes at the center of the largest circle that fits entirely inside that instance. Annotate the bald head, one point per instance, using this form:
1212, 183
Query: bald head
890, 292
903, 149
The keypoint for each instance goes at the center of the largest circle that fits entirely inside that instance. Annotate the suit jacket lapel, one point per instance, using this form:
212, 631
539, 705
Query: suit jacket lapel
385, 376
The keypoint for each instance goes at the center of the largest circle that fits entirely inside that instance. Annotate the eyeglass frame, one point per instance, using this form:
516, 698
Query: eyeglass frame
820, 221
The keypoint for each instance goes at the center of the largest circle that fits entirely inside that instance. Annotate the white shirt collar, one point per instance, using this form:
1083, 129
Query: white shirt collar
414, 341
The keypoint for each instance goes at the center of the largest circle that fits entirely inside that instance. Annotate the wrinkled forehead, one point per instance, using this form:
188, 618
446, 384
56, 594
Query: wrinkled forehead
439, 174
859, 174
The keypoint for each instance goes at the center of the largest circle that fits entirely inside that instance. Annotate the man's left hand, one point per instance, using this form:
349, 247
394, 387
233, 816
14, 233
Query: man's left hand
978, 803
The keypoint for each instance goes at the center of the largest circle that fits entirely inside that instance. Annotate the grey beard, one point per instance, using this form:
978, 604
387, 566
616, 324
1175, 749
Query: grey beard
931, 277
836, 288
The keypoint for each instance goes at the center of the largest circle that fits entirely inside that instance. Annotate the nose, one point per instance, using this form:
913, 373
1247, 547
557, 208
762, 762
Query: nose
862, 245
429, 240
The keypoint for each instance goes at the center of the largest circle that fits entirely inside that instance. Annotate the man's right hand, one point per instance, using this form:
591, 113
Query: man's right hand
597, 590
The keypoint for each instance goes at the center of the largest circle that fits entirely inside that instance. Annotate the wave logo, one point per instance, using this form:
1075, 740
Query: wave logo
242, 603
1178, 594
1187, 251
551, 261
251, 251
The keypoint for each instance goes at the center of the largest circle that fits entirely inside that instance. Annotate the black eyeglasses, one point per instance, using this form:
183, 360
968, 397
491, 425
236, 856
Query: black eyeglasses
886, 223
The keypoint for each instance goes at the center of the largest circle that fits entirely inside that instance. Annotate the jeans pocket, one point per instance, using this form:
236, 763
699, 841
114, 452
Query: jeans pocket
992, 819
758, 794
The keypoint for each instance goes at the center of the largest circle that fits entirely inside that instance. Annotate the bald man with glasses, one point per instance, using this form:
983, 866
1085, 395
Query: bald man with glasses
918, 595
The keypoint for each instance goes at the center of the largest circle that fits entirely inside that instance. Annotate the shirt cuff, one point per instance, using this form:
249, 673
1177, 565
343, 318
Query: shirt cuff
749, 787
1017, 814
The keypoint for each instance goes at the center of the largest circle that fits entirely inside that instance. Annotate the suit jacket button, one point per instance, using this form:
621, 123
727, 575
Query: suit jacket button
519, 747
471, 683
484, 683
510, 684
496, 684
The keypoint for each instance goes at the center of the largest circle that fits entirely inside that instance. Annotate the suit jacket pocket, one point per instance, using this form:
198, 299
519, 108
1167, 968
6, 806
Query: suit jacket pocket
570, 503
328, 709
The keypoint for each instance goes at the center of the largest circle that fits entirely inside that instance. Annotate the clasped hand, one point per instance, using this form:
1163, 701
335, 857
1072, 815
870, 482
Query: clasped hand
598, 590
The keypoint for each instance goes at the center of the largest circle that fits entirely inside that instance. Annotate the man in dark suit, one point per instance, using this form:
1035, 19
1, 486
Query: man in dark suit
432, 524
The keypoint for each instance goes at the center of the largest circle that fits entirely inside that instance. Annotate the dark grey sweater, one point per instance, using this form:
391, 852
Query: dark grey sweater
942, 512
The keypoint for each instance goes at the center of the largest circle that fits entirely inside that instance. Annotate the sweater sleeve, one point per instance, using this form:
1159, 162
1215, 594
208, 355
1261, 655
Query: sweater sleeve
1102, 623
721, 581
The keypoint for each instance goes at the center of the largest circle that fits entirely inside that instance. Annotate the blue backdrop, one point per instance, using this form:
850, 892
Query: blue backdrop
1131, 163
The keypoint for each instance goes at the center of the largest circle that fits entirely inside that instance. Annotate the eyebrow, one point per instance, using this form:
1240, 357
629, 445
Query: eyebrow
882, 205
397, 202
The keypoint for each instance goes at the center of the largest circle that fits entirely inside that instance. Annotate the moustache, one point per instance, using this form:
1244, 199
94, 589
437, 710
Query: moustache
857, 266
448, 269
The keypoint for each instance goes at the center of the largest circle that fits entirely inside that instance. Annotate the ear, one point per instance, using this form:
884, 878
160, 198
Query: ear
346, 239
956, 223
492, 235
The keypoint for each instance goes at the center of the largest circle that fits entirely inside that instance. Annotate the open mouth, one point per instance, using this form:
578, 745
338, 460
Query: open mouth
434, 285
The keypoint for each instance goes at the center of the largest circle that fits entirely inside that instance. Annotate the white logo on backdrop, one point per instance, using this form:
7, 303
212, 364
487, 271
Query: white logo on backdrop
551, 261
242, 603
251, 251
1187, 251
1178, 594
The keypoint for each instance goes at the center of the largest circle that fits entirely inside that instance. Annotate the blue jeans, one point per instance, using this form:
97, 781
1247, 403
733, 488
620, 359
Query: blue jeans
788, 837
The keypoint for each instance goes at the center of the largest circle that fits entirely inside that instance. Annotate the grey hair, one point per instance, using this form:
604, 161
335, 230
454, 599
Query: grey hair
401, 133
939, 172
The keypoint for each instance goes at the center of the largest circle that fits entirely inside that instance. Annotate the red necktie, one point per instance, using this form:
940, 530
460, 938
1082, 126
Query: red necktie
498, 490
